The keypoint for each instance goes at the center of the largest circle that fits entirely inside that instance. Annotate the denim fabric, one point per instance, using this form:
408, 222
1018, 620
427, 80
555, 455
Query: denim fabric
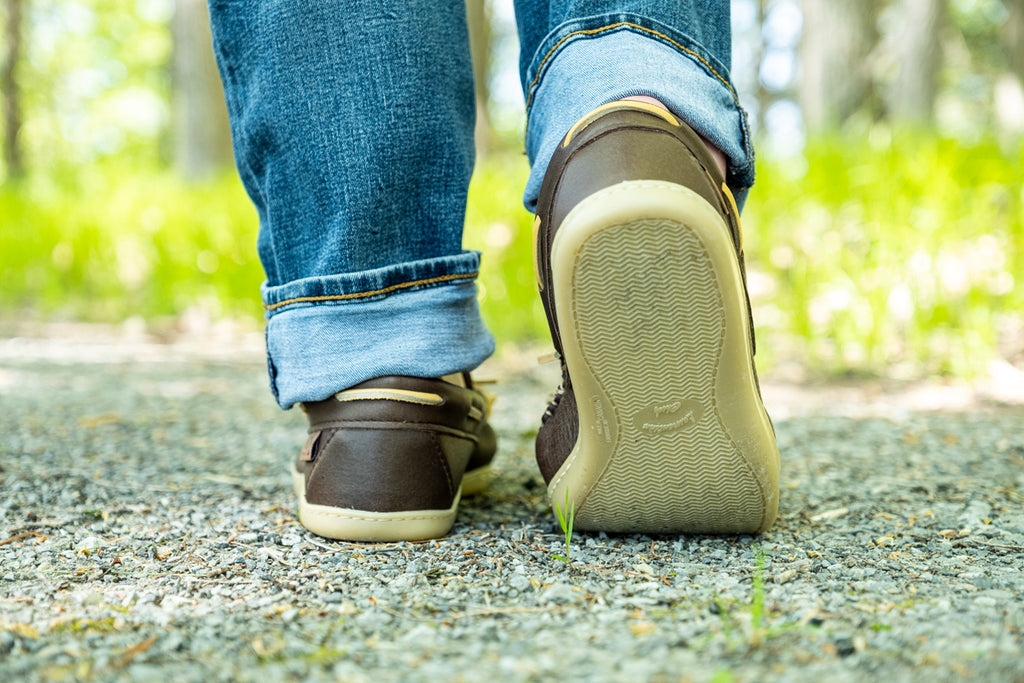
405, 325
575, 56
353, 131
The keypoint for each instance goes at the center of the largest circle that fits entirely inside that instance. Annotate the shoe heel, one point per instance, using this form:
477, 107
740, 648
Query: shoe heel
673, 435
363, 526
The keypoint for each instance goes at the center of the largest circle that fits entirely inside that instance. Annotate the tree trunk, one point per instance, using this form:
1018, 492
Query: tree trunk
762, 96
202, 137
1008, 93
835, 82
919, 53
1013, 36
13, 161
478, 16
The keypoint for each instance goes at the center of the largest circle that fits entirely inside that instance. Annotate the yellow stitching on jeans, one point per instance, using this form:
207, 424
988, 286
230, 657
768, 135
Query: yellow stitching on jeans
375, 292
594, 31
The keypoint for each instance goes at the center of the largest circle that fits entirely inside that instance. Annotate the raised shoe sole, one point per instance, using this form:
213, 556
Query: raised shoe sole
369, 526
673, 435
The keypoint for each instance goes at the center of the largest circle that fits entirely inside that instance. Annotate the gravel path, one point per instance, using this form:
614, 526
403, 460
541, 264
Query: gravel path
148, 532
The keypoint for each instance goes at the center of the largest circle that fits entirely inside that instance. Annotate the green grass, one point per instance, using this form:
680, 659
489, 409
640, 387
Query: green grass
116, 243
499, 226
879, 254
566, 517
757, 626
888, 251
747, 624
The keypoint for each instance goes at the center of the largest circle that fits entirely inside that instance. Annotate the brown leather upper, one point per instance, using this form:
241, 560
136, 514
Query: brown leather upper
383, 449
623, 144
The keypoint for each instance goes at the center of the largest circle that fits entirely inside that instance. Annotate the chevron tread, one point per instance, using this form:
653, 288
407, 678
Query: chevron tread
651, 323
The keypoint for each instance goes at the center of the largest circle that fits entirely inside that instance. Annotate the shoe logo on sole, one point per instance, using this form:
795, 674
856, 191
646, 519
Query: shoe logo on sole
672, 416
601, 426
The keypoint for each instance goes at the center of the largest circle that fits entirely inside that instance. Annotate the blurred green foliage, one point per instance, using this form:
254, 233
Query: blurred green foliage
896, 253
114, 242
882, 253
95, 83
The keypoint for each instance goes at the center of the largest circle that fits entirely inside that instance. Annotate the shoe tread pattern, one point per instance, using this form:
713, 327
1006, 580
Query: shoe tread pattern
650, 320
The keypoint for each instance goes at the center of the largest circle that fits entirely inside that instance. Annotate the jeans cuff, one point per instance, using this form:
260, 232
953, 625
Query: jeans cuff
370, 285
419, 319
588, 62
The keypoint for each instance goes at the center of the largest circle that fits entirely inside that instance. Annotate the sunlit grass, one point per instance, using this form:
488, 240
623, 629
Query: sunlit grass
887, 254
499, 226
115, 243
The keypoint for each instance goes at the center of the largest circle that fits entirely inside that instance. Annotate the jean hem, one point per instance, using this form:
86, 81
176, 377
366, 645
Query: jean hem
315, 351
572, 74
596, 26
371, 285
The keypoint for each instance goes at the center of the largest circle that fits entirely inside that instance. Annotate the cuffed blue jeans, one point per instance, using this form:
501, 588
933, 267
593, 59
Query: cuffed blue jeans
353, 130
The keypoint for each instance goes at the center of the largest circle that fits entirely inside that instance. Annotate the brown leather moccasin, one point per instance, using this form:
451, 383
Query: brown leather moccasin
659, 425
389, 459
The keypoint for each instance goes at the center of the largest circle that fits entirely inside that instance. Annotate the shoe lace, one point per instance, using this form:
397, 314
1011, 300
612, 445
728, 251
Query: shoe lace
556, 397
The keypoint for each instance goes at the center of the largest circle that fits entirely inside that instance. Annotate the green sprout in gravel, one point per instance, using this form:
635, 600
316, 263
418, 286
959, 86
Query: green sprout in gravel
752, 625
566, 516
757, 630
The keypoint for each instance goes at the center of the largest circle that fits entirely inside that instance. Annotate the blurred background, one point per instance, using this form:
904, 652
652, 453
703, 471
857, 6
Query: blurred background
884, 237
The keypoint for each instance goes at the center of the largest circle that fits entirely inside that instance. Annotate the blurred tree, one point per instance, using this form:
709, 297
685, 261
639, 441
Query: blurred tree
1009, 88
763, 97
838, 37
919, 56
13, 161
202, 138
1013, 34
478, 16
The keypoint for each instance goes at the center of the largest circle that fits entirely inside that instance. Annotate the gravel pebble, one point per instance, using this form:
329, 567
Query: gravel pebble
149, 532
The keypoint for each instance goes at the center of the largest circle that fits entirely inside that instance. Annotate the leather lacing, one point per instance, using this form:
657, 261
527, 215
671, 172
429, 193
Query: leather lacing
556, 397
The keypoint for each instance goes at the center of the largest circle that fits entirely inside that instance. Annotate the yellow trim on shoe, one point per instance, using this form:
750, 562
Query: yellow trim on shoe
402, 395
735, 212
536, 256
617, 105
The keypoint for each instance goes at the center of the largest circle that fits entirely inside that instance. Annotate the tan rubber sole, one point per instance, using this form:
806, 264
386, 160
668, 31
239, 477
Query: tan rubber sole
673, 435
367, 526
